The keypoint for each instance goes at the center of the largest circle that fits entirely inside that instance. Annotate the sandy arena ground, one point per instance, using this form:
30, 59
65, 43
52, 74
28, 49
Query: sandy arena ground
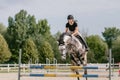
14, 76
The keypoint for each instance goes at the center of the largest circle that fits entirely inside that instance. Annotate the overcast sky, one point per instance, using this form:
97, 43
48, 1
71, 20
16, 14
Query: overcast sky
92, 15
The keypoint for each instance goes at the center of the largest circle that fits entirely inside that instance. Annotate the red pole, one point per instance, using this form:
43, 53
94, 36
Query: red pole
119, 69
119, 72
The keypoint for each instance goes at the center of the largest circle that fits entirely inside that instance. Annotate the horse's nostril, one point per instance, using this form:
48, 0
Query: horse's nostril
83, 58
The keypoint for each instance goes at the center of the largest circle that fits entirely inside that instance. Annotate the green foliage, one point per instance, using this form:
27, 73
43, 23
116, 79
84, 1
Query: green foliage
17, 33
45, 51
29, 51
91, 57
98, 48
111, 37
5, 53
43, 27
110, 34
57, 35
44, 30
37, 43
2, 29
116, 50
54, 45
24, 32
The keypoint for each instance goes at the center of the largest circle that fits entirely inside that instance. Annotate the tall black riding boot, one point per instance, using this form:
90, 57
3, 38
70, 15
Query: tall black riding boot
83, 42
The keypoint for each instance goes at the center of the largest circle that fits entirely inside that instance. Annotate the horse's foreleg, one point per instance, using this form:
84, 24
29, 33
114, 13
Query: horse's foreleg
85, 64
75, 70
85, 72
74, 63
77, 74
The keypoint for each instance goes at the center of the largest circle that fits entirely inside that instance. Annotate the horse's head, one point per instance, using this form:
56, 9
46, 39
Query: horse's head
63, 41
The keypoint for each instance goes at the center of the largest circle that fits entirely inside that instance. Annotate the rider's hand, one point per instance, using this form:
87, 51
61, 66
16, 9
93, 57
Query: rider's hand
72, 35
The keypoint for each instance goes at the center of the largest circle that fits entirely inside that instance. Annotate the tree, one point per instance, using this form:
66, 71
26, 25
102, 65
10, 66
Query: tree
2, 29
57, 52
5, 53
110, 34
29, 52
43, 27
16, 33
23, 27
54, 46
45, 51
57, 35
116, 50
97, 49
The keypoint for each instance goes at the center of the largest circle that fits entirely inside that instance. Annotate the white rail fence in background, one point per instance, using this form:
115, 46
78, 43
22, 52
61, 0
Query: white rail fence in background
25, 67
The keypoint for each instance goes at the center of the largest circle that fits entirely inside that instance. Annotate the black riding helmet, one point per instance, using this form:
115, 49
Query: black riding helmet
70, 17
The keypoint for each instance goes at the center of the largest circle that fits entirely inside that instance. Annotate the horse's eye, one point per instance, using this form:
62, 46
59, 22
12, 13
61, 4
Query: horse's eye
61, 43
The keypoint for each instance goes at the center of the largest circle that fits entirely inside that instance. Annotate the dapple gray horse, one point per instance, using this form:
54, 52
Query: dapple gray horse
70, 45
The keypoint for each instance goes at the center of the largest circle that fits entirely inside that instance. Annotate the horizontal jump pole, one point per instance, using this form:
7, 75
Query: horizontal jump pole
65, 75
65, 67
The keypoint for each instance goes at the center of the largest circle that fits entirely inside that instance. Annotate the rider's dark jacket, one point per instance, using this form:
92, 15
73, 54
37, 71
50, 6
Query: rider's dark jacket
71, 27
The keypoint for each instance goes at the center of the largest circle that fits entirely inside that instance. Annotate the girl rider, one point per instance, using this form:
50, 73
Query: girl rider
72, 27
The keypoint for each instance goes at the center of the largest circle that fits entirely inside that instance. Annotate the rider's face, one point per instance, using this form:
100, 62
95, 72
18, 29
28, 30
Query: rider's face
71, 21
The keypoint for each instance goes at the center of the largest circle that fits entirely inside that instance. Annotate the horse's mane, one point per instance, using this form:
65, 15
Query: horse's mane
62, 35
60, 40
